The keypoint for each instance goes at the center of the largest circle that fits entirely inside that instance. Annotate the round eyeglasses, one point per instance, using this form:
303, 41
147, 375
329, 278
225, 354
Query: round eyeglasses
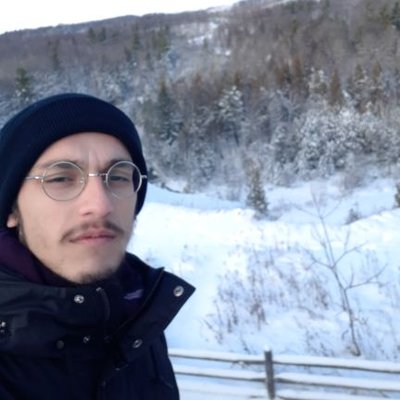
65, 180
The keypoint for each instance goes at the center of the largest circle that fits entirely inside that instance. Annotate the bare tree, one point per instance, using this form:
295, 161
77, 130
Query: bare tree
332, 261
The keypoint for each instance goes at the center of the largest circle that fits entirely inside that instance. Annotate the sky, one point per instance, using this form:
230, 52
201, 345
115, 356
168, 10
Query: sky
31, 14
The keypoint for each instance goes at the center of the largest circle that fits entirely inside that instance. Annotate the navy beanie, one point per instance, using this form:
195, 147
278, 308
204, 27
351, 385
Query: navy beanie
25, 136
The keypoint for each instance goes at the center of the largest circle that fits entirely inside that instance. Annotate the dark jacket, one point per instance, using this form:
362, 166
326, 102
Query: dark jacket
60, 342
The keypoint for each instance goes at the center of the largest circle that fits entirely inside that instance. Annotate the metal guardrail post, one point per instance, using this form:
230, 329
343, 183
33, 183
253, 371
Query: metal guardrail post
269, 371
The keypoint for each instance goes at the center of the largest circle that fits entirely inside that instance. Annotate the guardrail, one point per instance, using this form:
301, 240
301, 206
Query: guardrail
266, 376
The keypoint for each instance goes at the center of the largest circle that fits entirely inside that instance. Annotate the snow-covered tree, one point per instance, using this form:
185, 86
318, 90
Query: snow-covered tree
256, 197
231, 113
23, 86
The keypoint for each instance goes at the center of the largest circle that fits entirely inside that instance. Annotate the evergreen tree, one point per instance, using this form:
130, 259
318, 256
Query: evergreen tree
377, 91
317, 85
335, 97
283, 77
256, 197
54, 48
167, 124
102, 36
384, 16
357, 87
299, 86
136, 39
95, 37
395, 16
92, 35
202, 158
23, 86
397, 196
161, 41
231, 113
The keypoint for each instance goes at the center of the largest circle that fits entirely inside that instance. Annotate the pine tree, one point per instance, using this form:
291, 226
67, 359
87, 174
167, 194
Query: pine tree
283, 77
231, 112
395, 16
397, 195
358, 84
377, 91
23, 86
200, 153
167, 125
299, 86
317, 85
256, 197
54, 48
336, 97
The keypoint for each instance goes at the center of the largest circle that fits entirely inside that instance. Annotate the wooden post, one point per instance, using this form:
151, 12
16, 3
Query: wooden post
269, 371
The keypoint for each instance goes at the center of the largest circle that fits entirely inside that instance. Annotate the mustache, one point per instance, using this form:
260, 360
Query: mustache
86, 226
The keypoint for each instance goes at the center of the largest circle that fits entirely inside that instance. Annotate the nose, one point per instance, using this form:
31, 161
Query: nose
95, 199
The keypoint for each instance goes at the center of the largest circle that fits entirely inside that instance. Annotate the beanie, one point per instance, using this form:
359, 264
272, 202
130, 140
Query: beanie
25, 136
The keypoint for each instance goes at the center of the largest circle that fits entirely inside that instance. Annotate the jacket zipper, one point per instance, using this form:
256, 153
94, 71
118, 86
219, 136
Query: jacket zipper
107, 310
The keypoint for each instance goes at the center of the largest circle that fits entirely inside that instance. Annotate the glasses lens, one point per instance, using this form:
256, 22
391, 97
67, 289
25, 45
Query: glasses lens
63, 181
123, 179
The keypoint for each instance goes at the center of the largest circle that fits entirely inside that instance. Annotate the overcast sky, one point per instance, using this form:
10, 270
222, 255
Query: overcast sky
23, 14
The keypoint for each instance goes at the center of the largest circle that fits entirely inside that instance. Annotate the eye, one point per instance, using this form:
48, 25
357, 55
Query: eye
121, 174
61, 178
120, 177
62, 175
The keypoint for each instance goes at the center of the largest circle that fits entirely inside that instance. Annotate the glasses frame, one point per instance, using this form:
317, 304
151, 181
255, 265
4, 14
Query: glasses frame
85, 176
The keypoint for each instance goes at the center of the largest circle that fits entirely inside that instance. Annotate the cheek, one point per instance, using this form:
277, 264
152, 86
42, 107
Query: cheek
36, 230
38, 218
126, 210
126, 216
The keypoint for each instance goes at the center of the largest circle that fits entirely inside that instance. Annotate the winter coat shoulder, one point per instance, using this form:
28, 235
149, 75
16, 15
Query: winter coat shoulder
62, 343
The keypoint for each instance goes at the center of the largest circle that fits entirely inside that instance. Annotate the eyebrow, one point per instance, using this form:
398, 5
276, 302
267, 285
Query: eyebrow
77, 162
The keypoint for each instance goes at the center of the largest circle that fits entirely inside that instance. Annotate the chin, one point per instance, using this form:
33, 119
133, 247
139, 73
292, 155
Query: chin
88, 277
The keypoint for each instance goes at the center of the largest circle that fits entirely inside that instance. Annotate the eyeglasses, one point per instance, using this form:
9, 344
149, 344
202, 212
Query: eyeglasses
65, 180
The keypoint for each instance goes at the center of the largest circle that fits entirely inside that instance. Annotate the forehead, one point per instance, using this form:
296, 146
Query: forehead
85, 147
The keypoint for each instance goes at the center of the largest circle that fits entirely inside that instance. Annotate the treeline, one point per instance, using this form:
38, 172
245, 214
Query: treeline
234, 98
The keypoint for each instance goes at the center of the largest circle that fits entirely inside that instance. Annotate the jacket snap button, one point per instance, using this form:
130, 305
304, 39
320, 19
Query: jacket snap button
3, 327
79, 299
60, 344
86, 339
178, 291
137, 343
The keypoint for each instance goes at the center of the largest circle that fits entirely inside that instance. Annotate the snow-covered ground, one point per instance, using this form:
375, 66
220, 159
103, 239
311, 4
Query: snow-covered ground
212, 243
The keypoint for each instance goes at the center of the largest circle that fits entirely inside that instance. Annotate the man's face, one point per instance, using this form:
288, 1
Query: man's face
83, 239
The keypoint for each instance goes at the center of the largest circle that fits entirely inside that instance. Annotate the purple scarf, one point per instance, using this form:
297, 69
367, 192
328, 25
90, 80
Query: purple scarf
17, 258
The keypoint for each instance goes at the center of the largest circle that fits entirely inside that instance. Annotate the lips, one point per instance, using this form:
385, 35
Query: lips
94, 236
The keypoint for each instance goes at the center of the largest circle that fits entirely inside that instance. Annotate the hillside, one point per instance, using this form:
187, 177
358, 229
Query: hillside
262, 92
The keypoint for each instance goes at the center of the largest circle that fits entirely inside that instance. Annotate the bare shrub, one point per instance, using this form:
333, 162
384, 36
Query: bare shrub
318, 292
244, 298
333, 261
353, 215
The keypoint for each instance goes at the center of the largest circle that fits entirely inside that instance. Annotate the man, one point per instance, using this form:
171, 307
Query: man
80, 319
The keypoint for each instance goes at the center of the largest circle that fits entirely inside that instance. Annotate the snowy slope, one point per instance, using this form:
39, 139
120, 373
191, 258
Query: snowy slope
205, 240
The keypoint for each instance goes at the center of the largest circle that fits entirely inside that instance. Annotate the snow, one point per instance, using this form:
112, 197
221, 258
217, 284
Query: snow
345, 363
296, 395
197, 391
338, 381
209, 242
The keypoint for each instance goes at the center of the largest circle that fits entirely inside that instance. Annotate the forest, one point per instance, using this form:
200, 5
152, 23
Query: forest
260, 93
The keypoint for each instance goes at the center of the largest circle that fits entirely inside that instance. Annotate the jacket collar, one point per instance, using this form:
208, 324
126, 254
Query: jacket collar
165, 297
40, 315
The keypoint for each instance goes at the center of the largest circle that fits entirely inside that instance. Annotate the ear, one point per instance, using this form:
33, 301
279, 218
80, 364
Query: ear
12, 220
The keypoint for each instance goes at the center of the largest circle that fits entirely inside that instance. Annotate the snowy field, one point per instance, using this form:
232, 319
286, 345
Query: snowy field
208, 241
